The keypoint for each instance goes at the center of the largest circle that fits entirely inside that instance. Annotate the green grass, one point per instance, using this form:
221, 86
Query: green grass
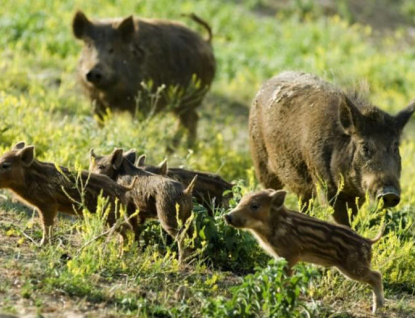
41, 103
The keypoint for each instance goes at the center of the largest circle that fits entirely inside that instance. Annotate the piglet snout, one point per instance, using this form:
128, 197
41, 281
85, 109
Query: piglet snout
228, 218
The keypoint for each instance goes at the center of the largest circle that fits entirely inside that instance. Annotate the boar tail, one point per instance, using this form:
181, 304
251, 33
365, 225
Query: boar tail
379, 236
132, 185
195, 18
189, 189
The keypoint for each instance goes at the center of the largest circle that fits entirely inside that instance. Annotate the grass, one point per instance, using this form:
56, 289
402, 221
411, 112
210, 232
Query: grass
42, 104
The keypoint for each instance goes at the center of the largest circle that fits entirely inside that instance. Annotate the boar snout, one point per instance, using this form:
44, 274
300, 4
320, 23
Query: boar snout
228, 219
238, 220
94, 76
384, 188
390, 196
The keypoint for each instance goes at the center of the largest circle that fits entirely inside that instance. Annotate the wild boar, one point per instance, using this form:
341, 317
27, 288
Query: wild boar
208, 189
119, 55
304, 131
49, 189
300, 238
153, 195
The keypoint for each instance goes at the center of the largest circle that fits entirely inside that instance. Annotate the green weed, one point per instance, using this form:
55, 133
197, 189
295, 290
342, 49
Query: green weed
41, 103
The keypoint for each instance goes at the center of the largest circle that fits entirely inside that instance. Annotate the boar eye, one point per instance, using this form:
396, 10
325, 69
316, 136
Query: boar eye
254, 206
366, 150
6, 165
101, 167
111, 50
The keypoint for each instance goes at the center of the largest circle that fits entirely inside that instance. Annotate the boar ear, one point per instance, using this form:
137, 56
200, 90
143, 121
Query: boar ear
131, 155
190, 187
278, 198
163, 167
403, 116
117, 158
19, 145
141, 161
348, 115
80, 25
126, 28
27, 155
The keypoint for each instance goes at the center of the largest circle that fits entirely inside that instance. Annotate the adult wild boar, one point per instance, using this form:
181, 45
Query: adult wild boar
305, 131
119, 55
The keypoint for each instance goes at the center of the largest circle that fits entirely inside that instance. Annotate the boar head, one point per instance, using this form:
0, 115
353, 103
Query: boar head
13, 165
369, 160
254, 210
110, 56
107, 165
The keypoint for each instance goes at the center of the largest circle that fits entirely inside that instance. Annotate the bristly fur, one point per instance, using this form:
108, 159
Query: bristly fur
305, 131
121, 54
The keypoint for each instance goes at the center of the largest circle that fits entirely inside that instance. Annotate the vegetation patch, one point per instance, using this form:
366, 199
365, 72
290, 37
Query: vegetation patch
83, 272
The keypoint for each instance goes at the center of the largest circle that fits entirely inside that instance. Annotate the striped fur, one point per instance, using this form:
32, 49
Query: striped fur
209, 187
50, 188
299, 237
154, 196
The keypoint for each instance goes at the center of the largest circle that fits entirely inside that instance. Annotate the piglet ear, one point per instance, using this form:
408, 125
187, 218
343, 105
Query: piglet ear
163, 167
117, 158
141, 161
19, 145
278, 199
131, 155
80, 25
403, 116
27, 155
348, 115
126, 28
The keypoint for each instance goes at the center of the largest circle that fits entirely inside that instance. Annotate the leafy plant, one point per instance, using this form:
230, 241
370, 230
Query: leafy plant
266, 293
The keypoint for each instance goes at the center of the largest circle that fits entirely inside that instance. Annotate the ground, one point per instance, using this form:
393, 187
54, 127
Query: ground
81, 274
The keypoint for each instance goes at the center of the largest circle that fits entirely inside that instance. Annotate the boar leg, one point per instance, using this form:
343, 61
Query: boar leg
291, 263
265, 175
305, 202
260, 159
169, 223
138, 226
373, 278
99, 110
47, 217
188, 120
184, 251
341, 206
